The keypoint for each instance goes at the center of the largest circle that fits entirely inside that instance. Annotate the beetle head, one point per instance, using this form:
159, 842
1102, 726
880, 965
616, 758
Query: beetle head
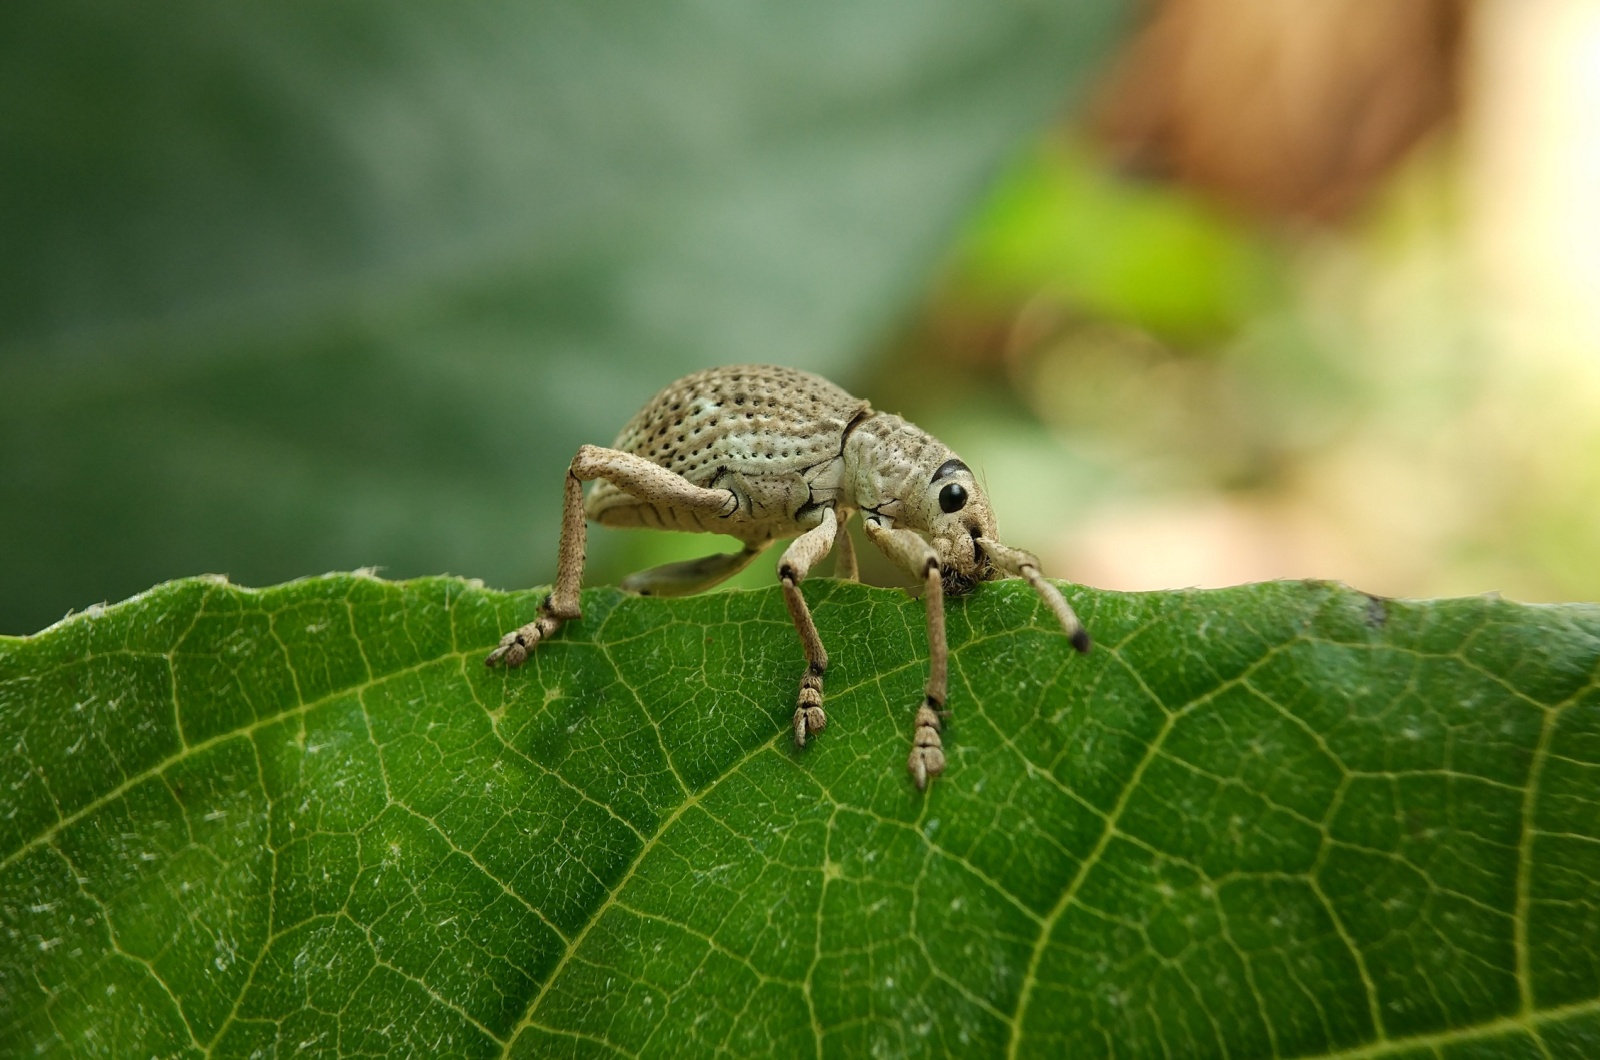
955, 512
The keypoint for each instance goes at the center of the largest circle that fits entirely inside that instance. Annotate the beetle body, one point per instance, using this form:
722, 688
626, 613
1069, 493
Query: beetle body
774, 437
759, 453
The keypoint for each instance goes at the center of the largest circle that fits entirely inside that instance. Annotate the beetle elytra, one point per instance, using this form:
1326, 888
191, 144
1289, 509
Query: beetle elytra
760, 453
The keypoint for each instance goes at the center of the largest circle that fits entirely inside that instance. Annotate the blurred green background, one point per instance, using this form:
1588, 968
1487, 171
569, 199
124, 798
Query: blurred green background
1206, 292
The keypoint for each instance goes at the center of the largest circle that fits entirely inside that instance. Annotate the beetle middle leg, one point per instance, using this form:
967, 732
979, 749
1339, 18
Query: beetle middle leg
798, 559
692, 576
634, 475
844, 564
908, 549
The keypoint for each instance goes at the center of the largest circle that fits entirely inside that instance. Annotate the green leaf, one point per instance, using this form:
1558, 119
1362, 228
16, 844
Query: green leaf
1285, 819
308, 287
1156, 257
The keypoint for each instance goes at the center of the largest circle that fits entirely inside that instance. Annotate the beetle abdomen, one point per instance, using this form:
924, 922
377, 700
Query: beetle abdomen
758, 430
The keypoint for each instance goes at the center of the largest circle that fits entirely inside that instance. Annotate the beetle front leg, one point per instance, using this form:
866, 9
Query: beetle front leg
795, 564
915, 555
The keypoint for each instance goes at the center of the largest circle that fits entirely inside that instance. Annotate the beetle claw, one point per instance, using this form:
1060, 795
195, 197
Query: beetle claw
808, 721
925, 763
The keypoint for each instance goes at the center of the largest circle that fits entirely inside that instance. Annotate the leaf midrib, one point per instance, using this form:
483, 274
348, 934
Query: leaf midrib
613, 896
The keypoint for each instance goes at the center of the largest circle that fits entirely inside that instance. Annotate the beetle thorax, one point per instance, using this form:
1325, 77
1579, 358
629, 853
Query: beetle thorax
886, 466
899, 475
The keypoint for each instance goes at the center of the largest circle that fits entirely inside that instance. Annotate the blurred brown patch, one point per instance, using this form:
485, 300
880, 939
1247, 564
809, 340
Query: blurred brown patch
1282, 108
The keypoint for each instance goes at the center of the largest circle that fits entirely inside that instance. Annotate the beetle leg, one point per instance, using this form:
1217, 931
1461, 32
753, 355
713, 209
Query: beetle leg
844, 564
911, 552
803, 552
562, 603
691, 576
648, 481
1025, 565
634, 475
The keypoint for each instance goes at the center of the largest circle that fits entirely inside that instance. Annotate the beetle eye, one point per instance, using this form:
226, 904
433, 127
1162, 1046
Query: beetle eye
952, 498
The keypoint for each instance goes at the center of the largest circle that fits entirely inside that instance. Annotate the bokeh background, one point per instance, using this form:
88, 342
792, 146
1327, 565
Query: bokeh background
1207, 291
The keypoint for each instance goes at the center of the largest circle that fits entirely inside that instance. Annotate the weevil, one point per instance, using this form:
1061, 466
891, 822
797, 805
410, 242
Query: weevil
760, 453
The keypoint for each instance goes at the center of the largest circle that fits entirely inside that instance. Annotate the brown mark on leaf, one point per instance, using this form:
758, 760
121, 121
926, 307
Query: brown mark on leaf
1377, 610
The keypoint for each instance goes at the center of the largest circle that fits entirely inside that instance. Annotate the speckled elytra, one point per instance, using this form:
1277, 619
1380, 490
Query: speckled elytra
759, 453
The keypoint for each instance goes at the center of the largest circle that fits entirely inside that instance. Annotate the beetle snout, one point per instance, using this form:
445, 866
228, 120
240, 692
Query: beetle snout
983, 567
960, 554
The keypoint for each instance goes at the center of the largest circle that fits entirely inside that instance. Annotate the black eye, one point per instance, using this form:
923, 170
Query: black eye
952, 498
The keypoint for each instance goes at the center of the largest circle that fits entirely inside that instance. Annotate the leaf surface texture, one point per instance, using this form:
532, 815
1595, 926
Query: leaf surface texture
1278, 820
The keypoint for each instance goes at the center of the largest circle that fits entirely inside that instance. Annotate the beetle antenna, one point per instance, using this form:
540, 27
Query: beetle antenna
1070, 622
1026, 565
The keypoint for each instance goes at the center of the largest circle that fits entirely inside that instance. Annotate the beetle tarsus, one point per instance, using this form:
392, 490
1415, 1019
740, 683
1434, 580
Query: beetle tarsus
514, 646
927, 749
808, 715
